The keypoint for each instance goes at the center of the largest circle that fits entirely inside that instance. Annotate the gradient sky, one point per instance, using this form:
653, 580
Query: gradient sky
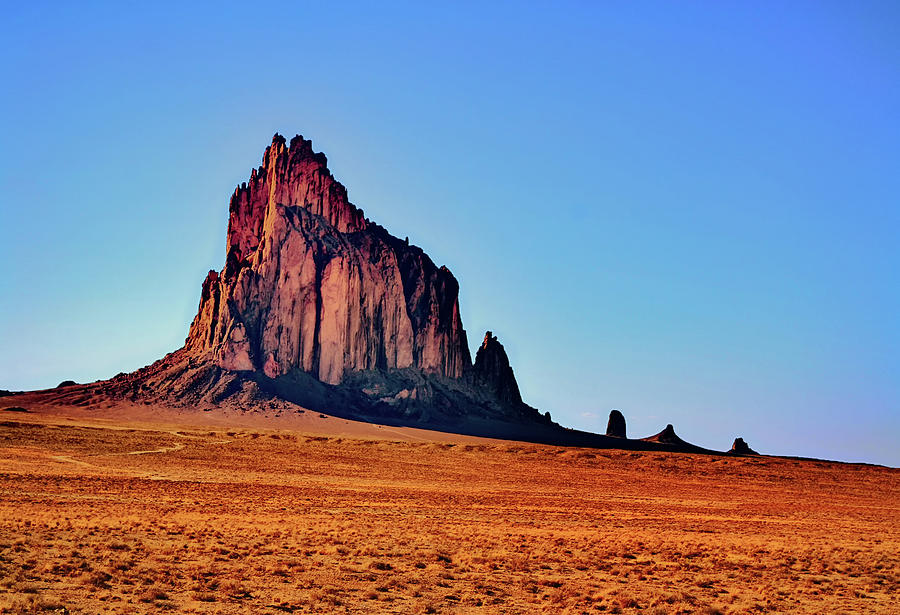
689, 211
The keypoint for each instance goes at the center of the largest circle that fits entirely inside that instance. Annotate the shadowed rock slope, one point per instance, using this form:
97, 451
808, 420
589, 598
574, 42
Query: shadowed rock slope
319, 306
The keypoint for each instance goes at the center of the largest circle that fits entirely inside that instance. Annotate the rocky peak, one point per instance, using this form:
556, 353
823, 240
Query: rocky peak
616, 425
667, 436
492, 370
310, 285
741, 448
290, 176
317, 306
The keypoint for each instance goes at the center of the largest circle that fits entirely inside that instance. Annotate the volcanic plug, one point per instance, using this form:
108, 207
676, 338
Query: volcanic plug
317, 307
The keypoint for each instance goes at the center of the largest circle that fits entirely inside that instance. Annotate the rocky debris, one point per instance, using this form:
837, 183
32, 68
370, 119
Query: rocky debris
741, 448
310, 284
66, 383
492, 371
16, 409
615, 427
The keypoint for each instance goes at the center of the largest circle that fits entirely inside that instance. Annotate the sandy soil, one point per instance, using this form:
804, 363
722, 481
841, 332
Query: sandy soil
134, 509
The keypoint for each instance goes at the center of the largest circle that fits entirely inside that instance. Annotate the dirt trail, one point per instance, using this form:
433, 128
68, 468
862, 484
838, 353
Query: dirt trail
67, 459
407, 435
85, 464
181, 434
164, 449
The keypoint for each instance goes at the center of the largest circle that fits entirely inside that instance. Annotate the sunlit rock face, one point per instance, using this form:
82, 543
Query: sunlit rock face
310, 284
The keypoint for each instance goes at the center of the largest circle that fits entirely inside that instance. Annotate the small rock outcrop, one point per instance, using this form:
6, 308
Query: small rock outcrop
492, 371
66, 383
616, 425
741, 448
666, 436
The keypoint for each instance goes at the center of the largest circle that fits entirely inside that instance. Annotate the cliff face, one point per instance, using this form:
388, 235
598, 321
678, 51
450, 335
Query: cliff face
310, 284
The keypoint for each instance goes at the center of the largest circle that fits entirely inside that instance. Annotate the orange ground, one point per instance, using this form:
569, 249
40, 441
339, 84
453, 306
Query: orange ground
148, 510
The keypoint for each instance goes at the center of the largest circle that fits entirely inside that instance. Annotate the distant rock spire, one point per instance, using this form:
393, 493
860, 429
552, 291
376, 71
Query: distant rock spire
616, 425
741, 448
493, 372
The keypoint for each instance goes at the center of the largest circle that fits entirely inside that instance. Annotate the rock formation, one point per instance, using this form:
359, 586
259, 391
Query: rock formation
666, 436
319, 307
492, 371
310, 284
670, 440
616, 425
741, 448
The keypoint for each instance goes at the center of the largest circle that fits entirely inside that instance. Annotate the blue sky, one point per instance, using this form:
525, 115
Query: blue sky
687, 211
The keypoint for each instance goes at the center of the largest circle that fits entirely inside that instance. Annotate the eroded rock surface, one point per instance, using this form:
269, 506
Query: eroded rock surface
320, 306
310, 284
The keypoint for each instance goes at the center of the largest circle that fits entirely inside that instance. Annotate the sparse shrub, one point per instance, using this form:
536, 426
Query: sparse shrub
235, 589
628, 603
97, 579
562, 595
152, 594
35, 604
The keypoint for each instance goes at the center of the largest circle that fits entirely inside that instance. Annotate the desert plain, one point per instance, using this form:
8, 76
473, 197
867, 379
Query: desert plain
126, 508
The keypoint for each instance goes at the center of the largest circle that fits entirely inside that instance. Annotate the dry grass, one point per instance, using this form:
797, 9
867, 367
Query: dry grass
239, 520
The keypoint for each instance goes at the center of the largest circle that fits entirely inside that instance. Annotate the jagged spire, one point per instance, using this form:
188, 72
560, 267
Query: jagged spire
492, 371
